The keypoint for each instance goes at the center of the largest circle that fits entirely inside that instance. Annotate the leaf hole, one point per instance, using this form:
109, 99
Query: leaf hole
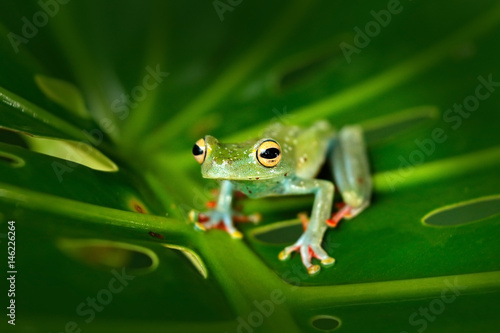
104, 254
325, 323
464, 212
11, 160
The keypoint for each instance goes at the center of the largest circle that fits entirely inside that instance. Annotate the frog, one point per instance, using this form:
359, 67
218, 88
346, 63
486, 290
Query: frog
285, 161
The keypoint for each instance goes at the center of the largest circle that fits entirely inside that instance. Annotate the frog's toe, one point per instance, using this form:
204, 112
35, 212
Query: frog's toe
240, 218
193, 215
205, 220
287, 251
308, 250
328, 261
305, 254
313, 269
199, 226
236, 234
255, 218
228, 224
321, 254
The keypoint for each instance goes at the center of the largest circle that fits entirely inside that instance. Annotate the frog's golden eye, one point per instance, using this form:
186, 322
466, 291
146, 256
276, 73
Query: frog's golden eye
200, 151
269, 153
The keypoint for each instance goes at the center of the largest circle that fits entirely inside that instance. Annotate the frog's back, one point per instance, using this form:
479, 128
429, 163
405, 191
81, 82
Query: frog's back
306, 148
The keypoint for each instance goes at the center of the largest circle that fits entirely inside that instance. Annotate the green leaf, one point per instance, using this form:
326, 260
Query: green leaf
63, 93
72, 151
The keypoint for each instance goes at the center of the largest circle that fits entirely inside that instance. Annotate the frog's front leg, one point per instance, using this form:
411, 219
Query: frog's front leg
309, 244
222, 212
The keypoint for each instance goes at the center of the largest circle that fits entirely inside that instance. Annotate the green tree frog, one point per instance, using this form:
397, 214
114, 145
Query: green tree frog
285, 161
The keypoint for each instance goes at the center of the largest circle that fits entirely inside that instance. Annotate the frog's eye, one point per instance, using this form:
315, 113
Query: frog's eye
199, 151
269, 153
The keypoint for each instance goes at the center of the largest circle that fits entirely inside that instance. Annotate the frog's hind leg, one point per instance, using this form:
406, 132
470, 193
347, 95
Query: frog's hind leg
349, 161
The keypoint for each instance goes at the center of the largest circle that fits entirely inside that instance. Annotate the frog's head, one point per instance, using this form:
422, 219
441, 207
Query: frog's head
250, 160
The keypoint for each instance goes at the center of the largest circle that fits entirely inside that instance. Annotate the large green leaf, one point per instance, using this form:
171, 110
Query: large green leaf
100, 106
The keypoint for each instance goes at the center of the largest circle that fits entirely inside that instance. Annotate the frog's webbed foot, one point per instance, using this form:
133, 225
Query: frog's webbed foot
309, 248
221, 219
213, 219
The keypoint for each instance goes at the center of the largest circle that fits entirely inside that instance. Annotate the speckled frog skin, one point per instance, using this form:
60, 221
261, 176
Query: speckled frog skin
284, 162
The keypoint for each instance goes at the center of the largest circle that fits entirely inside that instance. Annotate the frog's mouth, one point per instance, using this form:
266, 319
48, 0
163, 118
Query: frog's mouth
243, 175
239, 178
